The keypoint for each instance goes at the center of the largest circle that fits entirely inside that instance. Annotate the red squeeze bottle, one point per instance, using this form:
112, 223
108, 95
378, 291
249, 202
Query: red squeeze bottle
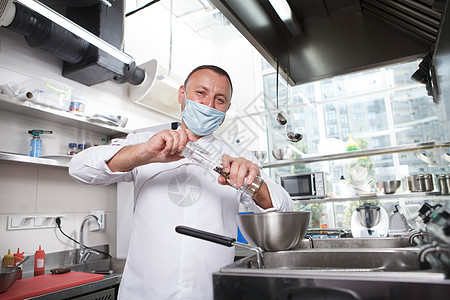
39, 262
18, 257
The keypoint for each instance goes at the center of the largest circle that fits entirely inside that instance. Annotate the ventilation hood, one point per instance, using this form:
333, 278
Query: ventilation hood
324, 38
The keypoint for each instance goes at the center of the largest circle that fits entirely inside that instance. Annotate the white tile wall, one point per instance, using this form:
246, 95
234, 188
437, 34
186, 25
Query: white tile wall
57, 191
18, 185
49, 190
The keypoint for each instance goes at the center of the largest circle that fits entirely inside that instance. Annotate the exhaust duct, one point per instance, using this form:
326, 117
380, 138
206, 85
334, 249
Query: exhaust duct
86, 38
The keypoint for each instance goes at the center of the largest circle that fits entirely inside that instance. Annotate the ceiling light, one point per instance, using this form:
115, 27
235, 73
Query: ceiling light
282, 8
76, 29
284, 11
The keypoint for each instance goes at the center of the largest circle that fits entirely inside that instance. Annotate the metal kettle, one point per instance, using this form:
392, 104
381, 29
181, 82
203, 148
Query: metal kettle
369, 215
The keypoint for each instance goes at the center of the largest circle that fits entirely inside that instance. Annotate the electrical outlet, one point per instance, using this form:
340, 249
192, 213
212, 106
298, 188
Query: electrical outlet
20, 222
100, 214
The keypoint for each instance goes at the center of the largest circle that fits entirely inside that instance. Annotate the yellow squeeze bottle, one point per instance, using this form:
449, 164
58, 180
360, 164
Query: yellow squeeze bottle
8, 260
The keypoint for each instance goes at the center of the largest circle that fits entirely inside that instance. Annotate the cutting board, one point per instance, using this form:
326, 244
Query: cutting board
39, 285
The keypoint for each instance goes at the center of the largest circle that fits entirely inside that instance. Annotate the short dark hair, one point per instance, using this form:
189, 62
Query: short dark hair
213, 68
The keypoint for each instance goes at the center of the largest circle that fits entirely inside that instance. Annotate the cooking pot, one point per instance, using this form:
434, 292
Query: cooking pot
444, 183
9, 275
420, 183
271, 231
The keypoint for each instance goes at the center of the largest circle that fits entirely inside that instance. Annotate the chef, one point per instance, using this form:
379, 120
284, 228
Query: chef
170, 190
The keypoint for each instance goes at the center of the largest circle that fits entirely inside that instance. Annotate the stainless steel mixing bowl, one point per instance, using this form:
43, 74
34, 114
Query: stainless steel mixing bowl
274, 231
282, 153
8, 276
390, 186
260, 155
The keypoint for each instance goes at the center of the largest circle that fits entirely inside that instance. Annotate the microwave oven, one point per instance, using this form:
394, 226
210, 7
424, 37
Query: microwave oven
304, 185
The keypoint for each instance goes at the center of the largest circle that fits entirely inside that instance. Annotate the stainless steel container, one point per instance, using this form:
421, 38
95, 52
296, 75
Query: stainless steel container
444, 183
420, 183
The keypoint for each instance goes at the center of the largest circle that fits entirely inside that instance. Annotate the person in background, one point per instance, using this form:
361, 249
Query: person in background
169, 190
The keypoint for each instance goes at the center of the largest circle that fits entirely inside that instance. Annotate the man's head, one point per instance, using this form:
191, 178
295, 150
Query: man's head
213, 68
205, 97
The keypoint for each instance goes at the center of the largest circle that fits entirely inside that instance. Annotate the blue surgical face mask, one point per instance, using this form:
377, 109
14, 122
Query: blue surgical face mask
201, 119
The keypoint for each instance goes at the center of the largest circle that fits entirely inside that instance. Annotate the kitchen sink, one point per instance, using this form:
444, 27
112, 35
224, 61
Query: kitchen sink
340, 259
343, 243
365, 273
364, 260
64, 259
94, 264
101, 266
327, 243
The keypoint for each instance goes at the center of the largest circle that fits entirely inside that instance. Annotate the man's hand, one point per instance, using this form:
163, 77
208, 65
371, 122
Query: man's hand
165, 145
161, 147
238, 168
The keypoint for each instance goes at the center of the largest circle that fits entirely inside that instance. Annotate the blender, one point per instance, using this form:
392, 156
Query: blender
369, 220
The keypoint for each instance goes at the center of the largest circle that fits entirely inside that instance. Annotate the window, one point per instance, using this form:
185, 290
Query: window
356, 104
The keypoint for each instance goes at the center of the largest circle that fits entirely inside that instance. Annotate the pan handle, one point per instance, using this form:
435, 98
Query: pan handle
207, 236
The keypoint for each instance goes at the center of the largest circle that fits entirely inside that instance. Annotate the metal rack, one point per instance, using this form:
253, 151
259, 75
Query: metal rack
359, 153
24, 159
27, 108
410, 195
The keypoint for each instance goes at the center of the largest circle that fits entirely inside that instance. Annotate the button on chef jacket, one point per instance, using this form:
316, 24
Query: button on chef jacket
161, 263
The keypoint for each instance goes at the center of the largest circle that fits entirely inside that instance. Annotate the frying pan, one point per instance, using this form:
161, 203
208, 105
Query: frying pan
271, 231
9, 275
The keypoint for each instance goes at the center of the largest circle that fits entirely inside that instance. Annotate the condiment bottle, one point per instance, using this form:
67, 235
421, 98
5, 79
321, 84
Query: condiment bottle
72, 149
81, 147
18, 257
202, 158
323, 221
8, 260
39, 262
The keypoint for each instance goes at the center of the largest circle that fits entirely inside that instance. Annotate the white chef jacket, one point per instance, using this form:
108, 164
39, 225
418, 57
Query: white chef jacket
161, 263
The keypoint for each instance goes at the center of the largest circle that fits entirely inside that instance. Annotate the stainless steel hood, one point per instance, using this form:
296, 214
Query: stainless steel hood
325, 38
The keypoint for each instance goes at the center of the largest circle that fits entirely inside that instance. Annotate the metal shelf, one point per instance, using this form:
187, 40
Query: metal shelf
359, 153
27, 108
24, 159
410, 195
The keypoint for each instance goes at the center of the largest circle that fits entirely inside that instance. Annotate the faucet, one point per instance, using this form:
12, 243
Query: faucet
86, 252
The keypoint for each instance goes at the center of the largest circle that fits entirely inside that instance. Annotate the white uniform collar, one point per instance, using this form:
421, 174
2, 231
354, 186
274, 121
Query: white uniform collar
204, 140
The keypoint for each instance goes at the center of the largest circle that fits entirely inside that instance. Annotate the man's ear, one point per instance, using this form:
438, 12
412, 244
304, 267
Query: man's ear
180, 94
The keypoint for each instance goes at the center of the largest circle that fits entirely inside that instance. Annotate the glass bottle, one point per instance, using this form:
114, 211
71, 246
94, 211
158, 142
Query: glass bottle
199, 156
323, 221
